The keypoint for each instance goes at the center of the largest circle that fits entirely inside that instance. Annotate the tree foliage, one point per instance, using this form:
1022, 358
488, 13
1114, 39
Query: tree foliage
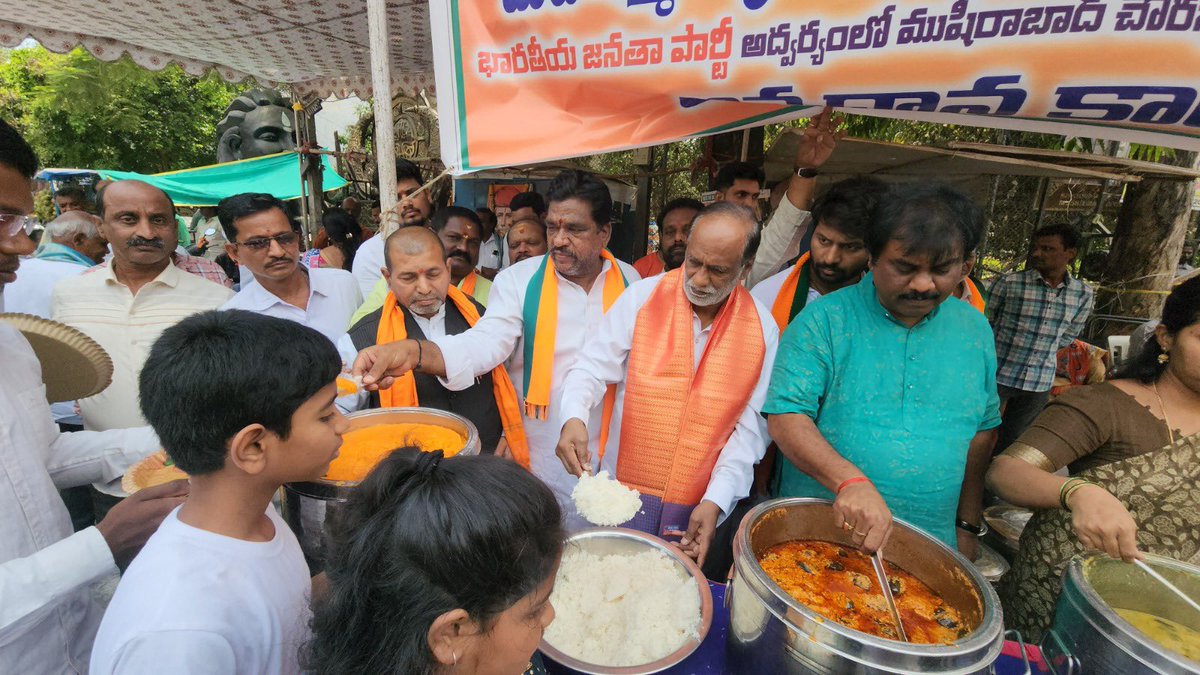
78, 111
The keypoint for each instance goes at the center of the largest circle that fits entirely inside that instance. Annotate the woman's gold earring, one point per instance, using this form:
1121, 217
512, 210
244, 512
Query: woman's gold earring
1163, 358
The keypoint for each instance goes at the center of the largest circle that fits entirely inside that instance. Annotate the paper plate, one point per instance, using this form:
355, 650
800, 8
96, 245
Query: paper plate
74, 366
150, 472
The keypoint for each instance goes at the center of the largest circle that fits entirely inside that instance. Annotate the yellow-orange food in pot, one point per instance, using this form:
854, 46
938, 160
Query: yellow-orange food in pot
363, 448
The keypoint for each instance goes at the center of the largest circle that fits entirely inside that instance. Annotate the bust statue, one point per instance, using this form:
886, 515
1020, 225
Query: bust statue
257, 123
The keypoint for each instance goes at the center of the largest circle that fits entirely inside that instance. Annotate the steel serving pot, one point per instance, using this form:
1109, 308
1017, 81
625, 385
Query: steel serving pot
769, 632
306, 504
622, 541
1087, 636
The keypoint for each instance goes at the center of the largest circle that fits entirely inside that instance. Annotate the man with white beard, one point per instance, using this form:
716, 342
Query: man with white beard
691, 353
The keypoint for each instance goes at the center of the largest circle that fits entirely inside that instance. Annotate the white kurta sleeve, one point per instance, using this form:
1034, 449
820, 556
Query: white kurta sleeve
780, 240
490, 341
83, 457
602, 360
30, 583
358, 400
733, 474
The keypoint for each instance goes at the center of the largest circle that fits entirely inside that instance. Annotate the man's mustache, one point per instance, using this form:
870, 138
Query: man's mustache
138, 241
459, 254
919, 296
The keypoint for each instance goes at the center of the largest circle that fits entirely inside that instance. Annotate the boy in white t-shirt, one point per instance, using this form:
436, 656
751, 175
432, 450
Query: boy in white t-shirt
243, 403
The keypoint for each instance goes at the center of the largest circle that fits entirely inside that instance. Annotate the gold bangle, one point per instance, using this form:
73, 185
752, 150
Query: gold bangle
1063, 489
1073, 489
1030, 455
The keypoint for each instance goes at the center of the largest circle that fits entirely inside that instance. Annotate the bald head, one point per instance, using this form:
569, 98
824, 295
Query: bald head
722, 244
416, 272
136, 188
139, 223
410, 242
724, 219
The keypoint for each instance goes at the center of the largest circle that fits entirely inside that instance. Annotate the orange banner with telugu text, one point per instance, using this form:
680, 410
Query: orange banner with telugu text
521, 81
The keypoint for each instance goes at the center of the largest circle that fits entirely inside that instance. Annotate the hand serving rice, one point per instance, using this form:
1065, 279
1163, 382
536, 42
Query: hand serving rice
622, 610
603, 501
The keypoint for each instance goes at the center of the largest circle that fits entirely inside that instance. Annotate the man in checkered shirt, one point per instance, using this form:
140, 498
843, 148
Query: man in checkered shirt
1034, 313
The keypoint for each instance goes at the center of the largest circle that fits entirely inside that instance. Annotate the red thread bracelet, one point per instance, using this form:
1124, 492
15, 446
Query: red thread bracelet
851, 481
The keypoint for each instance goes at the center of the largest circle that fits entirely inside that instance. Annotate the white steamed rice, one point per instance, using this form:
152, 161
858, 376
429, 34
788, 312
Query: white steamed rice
603, 501
622, 610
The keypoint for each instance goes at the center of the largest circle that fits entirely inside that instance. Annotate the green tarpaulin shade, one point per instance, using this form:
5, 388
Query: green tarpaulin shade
278, 175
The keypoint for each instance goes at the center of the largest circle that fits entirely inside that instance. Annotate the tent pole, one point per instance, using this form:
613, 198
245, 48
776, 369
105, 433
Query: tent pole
381, 81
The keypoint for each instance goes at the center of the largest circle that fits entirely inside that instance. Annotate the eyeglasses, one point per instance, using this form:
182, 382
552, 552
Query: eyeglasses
11, 224
263, 243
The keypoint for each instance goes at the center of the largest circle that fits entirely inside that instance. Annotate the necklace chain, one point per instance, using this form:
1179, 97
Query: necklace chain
1163, 408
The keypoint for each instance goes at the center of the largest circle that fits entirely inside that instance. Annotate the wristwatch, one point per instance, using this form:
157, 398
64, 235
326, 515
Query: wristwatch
977, 530
806, 172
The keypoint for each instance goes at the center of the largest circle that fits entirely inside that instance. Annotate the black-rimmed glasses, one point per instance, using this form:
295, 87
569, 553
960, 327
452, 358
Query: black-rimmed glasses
263, 243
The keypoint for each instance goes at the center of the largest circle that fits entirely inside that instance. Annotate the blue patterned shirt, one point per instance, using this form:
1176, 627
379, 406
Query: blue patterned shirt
902, 404
1032, 322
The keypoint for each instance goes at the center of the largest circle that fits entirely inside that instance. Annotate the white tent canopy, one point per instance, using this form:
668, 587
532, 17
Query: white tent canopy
318, 47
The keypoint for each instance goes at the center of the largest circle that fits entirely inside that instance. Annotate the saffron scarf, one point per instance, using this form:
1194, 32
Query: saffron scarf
793, 296
467, 285
540, 326
403, 392
976, 300
677, 417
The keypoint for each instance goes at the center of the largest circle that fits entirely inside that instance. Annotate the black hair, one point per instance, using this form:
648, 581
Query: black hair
246, 204
678, 203
104, 190
442, 217
848, 206
927, 219
1068, 235
232, 368
528, 199
576, 184
231, 268
1182, 309
15, 152
487, 217
406, 170
73, 191
735, 171
422, 536
343, 231
737, 212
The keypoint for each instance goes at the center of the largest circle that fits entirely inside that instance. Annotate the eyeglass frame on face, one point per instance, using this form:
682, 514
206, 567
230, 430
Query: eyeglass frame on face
11, 223
260, 244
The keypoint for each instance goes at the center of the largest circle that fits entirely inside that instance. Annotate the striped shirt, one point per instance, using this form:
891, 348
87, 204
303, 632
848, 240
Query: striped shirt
1032, 321
126, 326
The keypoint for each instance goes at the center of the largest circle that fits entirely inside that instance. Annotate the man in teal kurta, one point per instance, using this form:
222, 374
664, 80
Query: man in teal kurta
887, 381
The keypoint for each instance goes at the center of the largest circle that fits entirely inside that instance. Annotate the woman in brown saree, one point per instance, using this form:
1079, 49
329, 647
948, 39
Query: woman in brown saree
1132, 446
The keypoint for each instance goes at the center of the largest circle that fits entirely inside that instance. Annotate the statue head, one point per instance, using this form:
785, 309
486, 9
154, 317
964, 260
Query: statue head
257, 123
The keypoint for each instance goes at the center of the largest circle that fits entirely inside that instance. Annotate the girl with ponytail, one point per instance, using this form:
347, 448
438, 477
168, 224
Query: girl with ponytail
438, 566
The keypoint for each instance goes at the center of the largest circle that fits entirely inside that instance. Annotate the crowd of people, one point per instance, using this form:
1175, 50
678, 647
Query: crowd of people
843, 350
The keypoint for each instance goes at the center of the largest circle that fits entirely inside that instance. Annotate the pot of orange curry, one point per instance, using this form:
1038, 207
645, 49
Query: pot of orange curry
803, 599
373, 435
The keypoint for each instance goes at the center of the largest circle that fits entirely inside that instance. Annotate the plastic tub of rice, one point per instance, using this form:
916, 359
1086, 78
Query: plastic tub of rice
626, 603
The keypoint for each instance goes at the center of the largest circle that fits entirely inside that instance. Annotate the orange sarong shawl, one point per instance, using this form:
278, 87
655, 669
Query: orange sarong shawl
403, 392
678, 417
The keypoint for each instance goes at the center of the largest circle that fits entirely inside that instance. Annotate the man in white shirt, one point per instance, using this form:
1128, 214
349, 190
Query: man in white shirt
691, 354
414, 209
491, 250
260, 236
70, 244
47, 615
125, 305
579, 279
784, 237
838, 257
